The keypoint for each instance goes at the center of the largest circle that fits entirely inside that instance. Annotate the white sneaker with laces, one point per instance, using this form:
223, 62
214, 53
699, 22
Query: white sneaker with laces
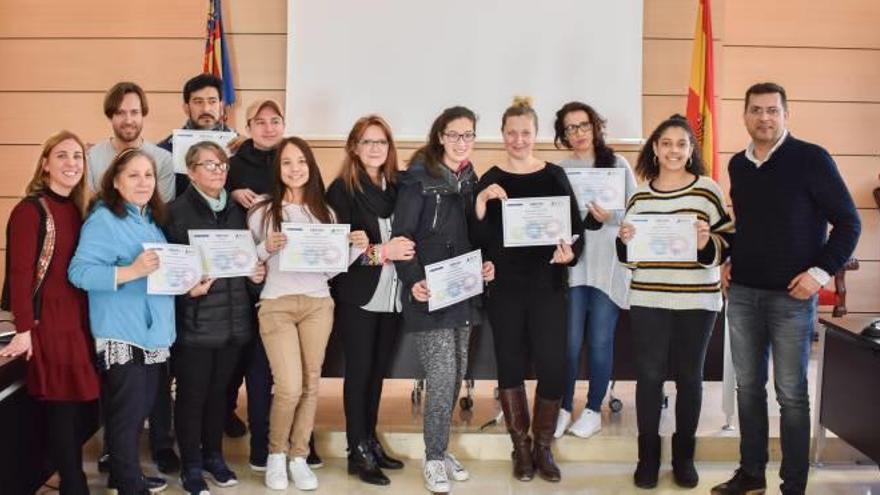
562, 423
276, 471
454, 469
587, 425
303, 477
436, 480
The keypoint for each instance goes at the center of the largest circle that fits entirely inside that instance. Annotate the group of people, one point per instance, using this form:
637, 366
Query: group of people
77, 276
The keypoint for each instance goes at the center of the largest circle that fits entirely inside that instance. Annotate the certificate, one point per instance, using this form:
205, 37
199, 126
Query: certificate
180, 269
225, 253
542, 221
604, 186
315, 247
663, 238
183, 139
454, 280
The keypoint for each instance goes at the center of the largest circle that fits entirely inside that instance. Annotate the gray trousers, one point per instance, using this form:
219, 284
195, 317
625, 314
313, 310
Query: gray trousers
443, 355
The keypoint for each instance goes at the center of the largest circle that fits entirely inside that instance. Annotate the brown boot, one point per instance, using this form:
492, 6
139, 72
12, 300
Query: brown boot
516, 415
543, 427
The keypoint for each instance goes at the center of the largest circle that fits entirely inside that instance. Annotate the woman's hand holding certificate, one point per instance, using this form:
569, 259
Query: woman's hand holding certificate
540, 221
661, 237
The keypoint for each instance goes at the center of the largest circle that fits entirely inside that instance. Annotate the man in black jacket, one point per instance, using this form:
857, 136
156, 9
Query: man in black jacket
203, 107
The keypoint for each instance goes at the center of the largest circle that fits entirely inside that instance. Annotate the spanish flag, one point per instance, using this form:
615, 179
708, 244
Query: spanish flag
701, 91
216, 55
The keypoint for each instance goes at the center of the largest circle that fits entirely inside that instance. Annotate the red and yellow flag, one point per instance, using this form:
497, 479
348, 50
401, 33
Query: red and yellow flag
701, 91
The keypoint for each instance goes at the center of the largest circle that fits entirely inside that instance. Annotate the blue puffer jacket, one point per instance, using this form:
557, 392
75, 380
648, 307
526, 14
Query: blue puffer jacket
125, 313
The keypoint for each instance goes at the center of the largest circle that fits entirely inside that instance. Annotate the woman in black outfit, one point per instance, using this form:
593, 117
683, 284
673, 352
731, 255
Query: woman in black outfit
527, 301
214, 322
367, 313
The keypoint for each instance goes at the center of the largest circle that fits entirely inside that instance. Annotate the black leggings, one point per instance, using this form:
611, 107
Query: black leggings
529, 322
68, 425
202, 378
670, 343
368, 339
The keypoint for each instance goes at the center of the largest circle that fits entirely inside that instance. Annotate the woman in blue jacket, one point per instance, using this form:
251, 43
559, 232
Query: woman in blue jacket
133, 330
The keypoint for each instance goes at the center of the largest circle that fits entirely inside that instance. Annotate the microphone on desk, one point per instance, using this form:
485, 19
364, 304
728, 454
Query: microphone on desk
872, 330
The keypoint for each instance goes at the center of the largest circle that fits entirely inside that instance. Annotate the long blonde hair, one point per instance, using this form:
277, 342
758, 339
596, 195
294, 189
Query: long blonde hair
40, 181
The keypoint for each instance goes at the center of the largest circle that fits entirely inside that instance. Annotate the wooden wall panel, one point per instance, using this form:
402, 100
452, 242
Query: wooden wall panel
863, 288
17, 164
806, 73
676, 19
842, 128
869, 243
102, 19
155, 64
666, 66
841, 23
264, 16
6, 205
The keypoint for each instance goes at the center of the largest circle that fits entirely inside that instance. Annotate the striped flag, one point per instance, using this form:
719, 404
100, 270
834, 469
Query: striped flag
216, 54
701, 91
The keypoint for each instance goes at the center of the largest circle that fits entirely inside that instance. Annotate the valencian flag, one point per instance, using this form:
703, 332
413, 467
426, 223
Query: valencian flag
216, 54
701, 91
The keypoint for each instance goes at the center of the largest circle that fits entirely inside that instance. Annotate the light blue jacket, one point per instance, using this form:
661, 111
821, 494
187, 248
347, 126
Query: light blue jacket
126, 312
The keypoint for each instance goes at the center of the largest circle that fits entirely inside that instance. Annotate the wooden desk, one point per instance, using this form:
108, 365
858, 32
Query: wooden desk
24, 464
848, 385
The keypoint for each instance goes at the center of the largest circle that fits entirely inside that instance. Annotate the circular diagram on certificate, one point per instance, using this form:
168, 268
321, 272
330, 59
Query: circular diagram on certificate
678, 245
659, 246
181, 277
241, 258
470, 282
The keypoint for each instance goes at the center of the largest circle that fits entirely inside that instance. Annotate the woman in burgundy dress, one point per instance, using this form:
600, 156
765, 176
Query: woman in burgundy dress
50, 314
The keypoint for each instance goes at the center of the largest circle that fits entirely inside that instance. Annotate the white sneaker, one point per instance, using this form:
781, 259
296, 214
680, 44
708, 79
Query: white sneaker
303, 477
276, 471
587, 425
562, 423
436, 480
454, 469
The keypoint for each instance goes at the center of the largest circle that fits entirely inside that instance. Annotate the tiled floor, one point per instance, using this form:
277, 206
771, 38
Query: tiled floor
493, 477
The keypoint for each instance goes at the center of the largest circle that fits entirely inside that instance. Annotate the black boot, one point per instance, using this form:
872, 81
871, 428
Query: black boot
383, 460
683, 469
649, 461
362, 461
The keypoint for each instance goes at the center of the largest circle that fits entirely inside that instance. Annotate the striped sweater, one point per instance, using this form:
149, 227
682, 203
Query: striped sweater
681, 285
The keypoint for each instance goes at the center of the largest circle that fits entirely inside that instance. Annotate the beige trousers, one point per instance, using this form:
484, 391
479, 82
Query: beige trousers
295, 330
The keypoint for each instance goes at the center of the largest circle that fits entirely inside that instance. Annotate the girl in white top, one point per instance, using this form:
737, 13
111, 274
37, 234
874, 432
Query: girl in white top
599, 286
296, 311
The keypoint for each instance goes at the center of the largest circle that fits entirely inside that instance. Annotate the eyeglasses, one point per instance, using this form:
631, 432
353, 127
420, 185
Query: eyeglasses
455, 137
369, 143
212, 166
770, 111
573, 128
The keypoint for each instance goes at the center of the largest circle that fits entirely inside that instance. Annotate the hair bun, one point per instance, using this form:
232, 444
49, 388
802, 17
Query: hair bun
520, 101
677, 116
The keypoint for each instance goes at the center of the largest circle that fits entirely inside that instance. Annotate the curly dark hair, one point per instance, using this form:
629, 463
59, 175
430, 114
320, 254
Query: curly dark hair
604, 153
647, 167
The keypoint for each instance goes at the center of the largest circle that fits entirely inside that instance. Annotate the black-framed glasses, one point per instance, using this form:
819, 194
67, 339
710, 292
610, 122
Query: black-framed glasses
455, 137
369, 143
213, 166
585, 126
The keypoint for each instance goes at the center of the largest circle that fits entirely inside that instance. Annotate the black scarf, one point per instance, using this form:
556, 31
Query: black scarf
373, 199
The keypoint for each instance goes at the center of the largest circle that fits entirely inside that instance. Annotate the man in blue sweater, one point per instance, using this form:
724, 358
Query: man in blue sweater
785, 192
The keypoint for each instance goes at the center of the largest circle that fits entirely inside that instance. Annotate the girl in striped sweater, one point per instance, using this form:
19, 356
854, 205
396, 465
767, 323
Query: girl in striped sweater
673, 305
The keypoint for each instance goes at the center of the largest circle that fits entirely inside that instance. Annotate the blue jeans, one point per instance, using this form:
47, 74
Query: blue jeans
584, 302
762, 321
